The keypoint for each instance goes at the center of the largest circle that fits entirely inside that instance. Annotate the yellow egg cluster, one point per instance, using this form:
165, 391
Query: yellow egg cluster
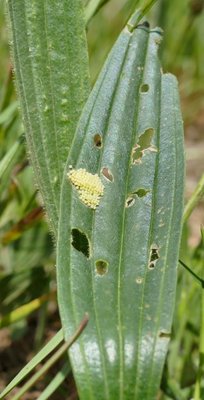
89, 186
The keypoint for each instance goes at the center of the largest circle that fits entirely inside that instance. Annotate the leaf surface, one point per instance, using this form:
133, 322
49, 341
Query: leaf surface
118, 262
51, 66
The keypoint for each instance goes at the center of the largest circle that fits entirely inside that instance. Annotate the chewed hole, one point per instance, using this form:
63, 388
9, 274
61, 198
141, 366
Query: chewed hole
101, 267
98, 140
80, 242
166, 335
144, 88
141, 192
131, 198
154, 256
107, 174
129, 202
144, 144
145, 24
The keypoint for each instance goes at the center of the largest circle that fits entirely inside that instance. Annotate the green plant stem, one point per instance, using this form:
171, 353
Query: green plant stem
140, 13
197, 392
56, 382
41, 326
52, 360
194, 200
200, 280
198, 388
92, 7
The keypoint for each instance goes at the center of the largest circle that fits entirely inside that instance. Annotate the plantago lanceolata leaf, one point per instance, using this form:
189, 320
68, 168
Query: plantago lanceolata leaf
118, 262
51, 65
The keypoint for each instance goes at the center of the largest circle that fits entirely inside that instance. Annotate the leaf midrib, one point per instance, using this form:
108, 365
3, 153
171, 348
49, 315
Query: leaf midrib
93, 221
120, 330
92, 269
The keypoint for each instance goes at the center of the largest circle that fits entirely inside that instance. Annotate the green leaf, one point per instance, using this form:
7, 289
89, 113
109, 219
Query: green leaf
52, 360
144, 6
55, 382
10, 157
194, 199
46, 350
51, 66
24, 311
8, 113
92, 7
118, 262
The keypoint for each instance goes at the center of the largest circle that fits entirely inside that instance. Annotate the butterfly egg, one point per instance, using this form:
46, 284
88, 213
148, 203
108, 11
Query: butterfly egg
91, 200
89, 186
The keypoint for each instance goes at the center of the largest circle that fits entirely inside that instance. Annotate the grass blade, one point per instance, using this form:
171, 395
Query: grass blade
56, 382
92, 7
53, 359
194, 200
25, 310
46, 350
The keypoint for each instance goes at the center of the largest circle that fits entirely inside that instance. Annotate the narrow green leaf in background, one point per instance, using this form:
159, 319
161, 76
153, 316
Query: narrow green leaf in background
10, 157
53, 359
55, 382
194, 200
44, 352
92, 7
51, 66
24, 311
8, 113
118, 262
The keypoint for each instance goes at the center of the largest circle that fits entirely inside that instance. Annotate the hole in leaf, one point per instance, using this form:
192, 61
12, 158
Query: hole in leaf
129, 202
166, 335
145, 24
80, 242
143, 145
154, 256
98, 140
107, 174
101, 267
144, 88
141, 192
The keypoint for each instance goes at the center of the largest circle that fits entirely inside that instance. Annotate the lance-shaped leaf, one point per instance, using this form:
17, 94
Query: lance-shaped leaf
51, 66
120, 223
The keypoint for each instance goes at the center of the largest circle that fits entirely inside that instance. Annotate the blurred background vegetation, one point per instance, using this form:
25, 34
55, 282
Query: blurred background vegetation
28, 308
